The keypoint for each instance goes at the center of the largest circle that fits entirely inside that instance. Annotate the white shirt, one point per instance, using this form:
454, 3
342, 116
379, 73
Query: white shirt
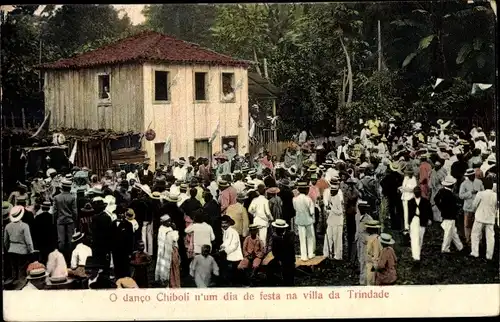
330, 173
334, 206
231, 245
407, 188
485, 204
182, 197
492, 143
79, 255
203, 234
481, 145
239, 186
259, 208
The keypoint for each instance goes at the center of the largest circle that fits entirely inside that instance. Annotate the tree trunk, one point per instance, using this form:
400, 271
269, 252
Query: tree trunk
349, 72
257, 61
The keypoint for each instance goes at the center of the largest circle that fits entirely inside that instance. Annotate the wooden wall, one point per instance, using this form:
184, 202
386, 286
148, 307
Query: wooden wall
73, 98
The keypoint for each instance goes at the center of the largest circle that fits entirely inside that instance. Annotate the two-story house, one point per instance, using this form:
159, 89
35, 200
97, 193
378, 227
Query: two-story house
152, 81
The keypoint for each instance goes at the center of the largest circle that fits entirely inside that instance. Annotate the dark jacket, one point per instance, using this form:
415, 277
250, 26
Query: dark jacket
447, 203
190, 205
122, 237
283, 247
212, 211
101, 231
65, 208
270, 182
141, 209
390, 184
146, 179
425, 209
288, 210
44, 232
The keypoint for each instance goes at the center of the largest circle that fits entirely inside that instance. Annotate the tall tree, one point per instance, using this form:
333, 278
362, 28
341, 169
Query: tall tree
190, 22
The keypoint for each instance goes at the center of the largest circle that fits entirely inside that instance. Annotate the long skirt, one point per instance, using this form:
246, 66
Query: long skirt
175, 269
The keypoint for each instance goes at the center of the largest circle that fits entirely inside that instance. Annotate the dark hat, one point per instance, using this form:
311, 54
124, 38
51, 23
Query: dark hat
227, 219
87, 208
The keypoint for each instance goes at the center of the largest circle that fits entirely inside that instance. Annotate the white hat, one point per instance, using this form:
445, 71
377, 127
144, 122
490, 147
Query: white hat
279, 223
392, 119
146, 189
320, 147
448, 181
417, 125
469, 172
456, 151
386, 239
50, 171
16, 213
364, 165
164, 218
110, 200
231, 143
95, 199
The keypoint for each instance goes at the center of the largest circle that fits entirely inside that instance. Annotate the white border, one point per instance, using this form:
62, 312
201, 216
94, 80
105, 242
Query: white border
401, 301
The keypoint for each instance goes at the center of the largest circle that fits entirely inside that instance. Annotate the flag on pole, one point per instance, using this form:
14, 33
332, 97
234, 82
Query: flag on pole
480, 86
73, 153
252, 127
44, 127
216, 131
167, 147
438, 81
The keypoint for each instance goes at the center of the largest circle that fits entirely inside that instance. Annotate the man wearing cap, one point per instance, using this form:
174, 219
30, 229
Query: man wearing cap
66, 212
45, 232
283, 250
259, 208
334, 207
101, 233
468, 191
419, 216
145, 175
17, 241
446, 201
304, 219
485, 206
37, 275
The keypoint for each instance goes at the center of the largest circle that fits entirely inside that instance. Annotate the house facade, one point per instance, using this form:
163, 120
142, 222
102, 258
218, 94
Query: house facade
151, 81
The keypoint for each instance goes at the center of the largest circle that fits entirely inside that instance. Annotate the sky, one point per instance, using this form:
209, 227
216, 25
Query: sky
133, 11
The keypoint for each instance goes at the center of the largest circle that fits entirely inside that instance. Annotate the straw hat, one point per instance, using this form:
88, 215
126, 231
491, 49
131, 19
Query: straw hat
241, 196
223, 184
469, 172
173, 197
373, 224
253, 227
156, 195
36, 271
77, 236
165, 218
66, 183
16, 213
386, 239
273, 190
50, 171
448, 181
312, 168
126, 282
279, 223
130, 214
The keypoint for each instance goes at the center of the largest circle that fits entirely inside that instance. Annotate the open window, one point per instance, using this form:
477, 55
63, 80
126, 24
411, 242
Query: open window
104, 87
161, 86
228, 87
200, 86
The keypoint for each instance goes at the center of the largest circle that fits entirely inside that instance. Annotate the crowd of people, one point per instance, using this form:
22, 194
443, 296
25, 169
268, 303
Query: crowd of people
223, 221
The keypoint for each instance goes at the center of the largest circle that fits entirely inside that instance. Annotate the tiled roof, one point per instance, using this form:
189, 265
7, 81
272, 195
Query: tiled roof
146, 46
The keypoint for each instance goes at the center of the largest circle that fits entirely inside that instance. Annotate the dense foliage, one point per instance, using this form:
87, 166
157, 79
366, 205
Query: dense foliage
324, 57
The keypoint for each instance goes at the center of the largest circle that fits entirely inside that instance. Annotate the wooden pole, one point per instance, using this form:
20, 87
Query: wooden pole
265, 69
23, 116
379, 48
13, 119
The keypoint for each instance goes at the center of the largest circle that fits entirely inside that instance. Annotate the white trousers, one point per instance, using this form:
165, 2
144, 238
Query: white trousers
405, 214
416, 237
477, 234
147, 237
263, 235
307, 241
450, 234
332, 248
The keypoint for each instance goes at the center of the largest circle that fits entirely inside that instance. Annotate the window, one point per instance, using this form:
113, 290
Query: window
230, 142
200, 88
104, 87
161, 86
160, 156
201, 148
228, 87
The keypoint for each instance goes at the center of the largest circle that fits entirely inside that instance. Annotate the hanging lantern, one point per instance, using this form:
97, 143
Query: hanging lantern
150, 135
